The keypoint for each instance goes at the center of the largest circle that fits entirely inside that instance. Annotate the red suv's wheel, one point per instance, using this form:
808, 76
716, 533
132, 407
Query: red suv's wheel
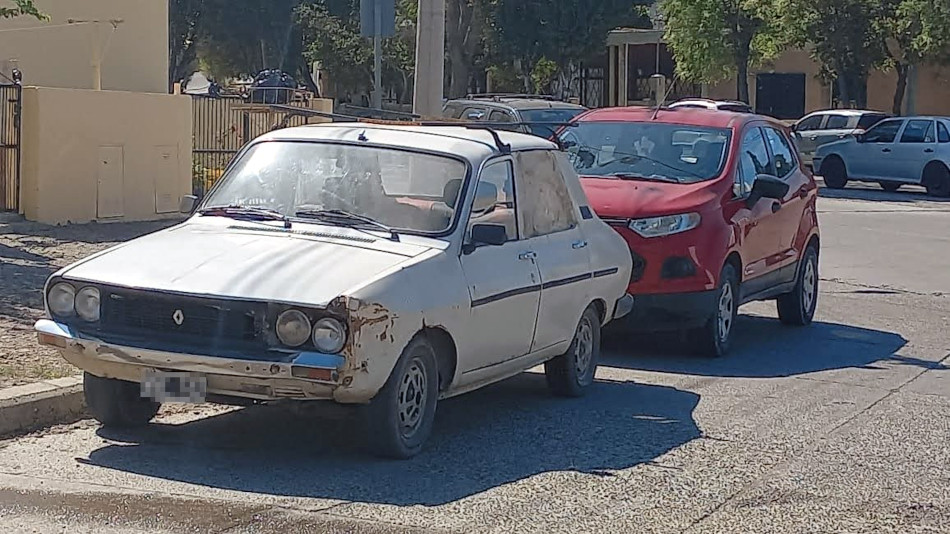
715, 338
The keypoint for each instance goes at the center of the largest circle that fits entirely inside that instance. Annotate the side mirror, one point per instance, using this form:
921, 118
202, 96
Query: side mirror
494, 235
188, 204
860, 137
766, 186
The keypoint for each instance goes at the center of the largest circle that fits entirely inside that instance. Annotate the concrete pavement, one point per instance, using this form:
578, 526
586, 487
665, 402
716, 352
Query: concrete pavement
839, 427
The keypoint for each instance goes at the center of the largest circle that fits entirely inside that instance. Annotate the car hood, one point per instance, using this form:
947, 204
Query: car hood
629, 199
246, 260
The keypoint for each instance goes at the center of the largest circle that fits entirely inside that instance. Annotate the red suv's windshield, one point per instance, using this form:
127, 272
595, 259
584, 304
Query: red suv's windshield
647, 150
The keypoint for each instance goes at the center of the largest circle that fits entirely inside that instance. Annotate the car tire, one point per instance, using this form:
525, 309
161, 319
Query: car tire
798, 307
398, 421
937, 180
891, 187
834, 173
116, 403
715, 338
572, 373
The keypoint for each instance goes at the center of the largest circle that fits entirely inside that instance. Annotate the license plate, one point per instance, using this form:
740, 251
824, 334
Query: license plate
162, 386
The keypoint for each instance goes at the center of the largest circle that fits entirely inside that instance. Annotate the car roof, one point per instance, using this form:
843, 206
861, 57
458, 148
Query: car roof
679, 115
470, 143
848, 112
516, 102
708, 101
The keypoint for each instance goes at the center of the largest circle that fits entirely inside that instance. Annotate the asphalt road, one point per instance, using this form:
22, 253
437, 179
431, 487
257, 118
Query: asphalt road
840, 427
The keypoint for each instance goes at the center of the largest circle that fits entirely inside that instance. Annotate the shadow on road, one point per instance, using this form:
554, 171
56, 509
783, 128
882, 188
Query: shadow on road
873, 192
762, 348
496, 436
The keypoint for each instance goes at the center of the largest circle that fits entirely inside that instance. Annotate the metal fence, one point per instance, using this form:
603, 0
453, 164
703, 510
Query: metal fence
223, 124
10, 111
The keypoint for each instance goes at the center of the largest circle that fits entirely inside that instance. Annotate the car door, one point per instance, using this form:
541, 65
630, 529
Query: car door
549, 220
504, 282
916, 147
801, 192
807, 131
757, 227
872, 157
836, 126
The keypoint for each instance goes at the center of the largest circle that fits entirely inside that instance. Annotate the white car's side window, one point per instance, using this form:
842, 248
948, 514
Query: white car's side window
495, 199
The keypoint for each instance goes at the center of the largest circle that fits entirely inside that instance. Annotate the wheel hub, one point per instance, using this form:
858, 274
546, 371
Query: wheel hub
726, 304
584, 347
412, 397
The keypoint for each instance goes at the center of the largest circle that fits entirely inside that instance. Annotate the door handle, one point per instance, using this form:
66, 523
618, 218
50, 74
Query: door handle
885, 150
579, 245
929, 150
776, 206
525, 256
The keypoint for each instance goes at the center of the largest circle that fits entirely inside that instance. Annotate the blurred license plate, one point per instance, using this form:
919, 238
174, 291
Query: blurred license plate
164, 386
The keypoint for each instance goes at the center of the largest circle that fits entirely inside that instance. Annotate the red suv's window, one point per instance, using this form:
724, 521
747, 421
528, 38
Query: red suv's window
647, 150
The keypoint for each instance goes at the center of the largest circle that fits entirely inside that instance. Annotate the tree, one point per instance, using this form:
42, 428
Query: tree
913, 32
845, 39
22, 8
184, 32
465, 26
711, 39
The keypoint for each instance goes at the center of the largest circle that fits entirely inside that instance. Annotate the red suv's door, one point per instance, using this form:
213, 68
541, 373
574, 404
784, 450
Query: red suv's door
759, 227
801, 191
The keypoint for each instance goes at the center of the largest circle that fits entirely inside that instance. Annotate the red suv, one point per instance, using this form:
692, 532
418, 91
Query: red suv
717, 210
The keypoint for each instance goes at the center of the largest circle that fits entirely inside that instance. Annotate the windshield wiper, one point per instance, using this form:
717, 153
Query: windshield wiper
246, 212
651, 178
348, 219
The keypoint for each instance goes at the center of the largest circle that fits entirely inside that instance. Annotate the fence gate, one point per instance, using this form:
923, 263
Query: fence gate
10, 111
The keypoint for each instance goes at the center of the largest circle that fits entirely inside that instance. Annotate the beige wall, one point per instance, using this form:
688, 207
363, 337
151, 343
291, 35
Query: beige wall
104, 155
57, 54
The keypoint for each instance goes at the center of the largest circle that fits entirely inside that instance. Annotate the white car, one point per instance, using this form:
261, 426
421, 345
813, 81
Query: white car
367, 264
820, 127
893, 152
720, 105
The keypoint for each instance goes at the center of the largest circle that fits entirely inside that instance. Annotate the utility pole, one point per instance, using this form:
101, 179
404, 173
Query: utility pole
377, 20
430, 58
378, 56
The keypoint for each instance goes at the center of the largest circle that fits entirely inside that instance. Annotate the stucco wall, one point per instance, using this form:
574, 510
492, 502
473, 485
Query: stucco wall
58, 54
104, 155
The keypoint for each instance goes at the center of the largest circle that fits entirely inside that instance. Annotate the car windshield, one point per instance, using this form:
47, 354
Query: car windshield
371, 187
554, 115
671, 152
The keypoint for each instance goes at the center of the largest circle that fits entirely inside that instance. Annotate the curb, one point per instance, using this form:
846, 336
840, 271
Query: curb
42, 404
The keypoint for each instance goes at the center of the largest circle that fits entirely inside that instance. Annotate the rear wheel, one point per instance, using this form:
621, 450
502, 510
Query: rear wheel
937, 180
798, 307
834, 173
398, 421
570, 374
890, 187
116, 403
715, 338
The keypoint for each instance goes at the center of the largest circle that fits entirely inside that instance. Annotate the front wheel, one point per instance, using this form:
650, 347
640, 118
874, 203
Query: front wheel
798, 307
398, 421
714, 339
116, 403
834, 173
570, 374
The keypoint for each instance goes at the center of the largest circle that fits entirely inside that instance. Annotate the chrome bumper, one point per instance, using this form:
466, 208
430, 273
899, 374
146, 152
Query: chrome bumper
623, 307
253, 379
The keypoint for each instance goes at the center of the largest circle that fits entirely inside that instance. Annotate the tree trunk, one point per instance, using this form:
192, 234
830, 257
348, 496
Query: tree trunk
455, 30
901, 69
742, 81
842, 78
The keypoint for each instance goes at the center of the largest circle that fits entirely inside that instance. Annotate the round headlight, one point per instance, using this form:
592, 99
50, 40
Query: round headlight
87, 304
62, 299
329, 335
293, 328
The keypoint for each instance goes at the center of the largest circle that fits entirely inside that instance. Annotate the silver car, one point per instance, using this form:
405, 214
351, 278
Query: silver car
894, 152
820, 127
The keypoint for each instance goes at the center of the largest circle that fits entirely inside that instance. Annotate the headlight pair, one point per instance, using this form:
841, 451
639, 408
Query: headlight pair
65, 301
294, 329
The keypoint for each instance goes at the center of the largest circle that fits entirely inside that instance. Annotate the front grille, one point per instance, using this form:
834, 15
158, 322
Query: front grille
194, 324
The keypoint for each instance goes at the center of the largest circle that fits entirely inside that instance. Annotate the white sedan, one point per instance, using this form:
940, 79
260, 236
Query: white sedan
376, 265
893, 152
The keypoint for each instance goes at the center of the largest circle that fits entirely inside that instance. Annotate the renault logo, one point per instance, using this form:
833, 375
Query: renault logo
178, 317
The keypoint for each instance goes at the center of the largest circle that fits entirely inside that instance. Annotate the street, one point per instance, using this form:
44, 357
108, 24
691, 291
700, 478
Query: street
839, 427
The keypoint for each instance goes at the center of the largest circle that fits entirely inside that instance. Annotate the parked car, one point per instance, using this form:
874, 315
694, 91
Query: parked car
721, 105
545, 111
386, 267
716, 209
894, 152
820, 127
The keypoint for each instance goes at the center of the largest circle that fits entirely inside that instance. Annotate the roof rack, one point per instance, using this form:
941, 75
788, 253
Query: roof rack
498, 96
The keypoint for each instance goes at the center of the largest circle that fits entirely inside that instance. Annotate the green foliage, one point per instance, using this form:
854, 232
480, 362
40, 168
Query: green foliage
22, 8
712, 39
543, 74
